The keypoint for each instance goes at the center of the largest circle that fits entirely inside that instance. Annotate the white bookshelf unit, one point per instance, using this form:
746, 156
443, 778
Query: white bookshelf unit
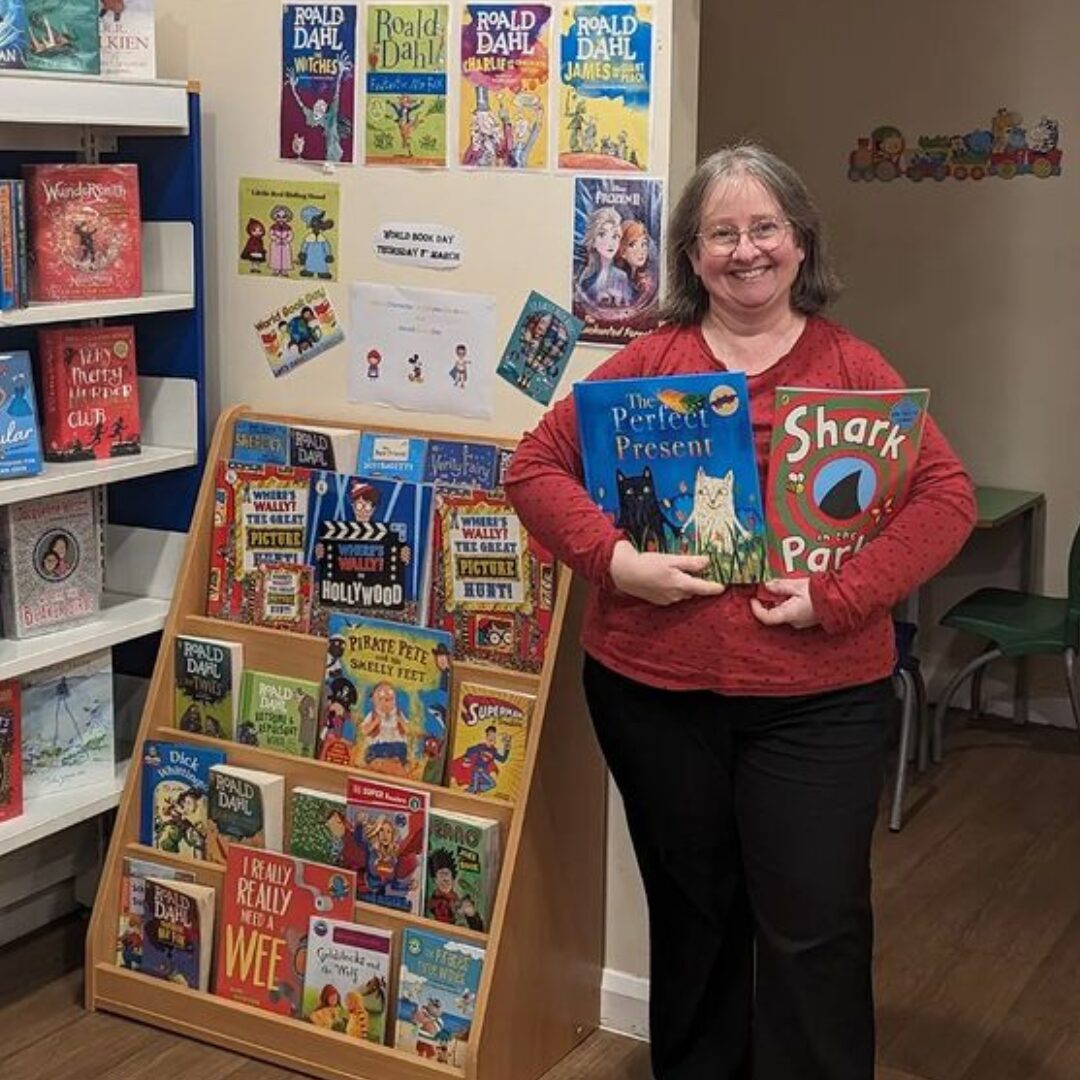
150, 496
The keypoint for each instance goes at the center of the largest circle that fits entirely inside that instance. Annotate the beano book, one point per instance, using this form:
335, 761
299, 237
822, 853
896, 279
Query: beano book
490, 737
436, 996
206, 673
368, 540
463, 853
386, 695
260, 517
174, 785
267, 903
278, 712
670, 460
839, 468
347, 980
386, 841
492, 584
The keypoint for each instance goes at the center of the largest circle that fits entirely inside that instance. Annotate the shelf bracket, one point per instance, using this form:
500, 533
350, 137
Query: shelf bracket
94, 143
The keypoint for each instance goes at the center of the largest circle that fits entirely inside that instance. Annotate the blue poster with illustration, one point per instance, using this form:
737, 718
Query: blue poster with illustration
539, 347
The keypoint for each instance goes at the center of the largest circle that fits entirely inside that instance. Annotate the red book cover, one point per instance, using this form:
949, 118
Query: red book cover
262, 943
492, 584
11, 787
83, 222
89, 392
260, 519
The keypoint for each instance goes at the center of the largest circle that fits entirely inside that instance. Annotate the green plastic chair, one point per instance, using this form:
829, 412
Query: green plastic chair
1016, 624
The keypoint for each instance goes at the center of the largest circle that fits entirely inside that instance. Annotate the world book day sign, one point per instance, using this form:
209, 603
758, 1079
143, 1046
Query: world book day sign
435, 247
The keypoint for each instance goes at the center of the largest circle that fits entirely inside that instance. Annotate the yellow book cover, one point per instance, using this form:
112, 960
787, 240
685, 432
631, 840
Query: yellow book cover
491, 731
505, 68
287, 228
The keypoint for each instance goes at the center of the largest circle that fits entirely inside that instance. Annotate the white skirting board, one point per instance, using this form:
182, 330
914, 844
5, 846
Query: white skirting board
624, 1004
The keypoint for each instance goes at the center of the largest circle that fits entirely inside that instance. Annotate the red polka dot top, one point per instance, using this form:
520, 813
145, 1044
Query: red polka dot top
715, 643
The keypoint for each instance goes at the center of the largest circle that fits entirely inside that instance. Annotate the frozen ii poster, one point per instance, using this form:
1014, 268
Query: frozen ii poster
617, 252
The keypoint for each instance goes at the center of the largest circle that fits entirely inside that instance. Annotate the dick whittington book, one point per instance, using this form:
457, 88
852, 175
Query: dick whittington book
671, 460
839, 468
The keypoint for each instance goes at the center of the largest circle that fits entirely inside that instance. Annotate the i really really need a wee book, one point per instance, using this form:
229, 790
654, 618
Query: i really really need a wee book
670, 459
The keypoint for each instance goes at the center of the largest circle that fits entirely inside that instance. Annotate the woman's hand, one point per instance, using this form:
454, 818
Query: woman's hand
795, 608
660, 579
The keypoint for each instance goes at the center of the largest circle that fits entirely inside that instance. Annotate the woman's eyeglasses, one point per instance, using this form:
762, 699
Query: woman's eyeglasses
766, 235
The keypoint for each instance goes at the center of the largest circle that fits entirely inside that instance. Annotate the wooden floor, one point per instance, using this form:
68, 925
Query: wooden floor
978, 971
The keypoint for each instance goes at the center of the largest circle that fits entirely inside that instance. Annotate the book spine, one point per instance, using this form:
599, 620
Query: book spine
8, 288
49, 352
22, 261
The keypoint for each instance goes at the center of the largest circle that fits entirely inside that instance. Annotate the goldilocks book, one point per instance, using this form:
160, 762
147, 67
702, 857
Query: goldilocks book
671, 460
839, 468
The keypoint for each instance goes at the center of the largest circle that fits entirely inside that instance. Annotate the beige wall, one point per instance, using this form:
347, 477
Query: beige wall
516, 231
969, 288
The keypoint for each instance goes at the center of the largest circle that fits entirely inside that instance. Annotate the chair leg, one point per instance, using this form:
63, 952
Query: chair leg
909, 698
921, 719
954, 684
1074, 691
976, 690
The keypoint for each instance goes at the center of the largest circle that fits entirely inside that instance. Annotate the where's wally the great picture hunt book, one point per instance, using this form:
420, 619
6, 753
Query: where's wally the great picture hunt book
839, 468
671, 460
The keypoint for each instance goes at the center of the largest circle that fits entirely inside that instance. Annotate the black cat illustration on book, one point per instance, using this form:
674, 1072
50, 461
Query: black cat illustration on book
640, 513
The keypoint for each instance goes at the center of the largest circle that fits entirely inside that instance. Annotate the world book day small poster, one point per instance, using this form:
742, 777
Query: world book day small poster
426, 350
605, 87
288, 229
539, 348
318, 86
299, 331
617, 257
405, 120
505, 69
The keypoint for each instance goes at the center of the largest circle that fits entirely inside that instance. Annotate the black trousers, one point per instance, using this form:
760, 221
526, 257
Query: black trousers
751, 820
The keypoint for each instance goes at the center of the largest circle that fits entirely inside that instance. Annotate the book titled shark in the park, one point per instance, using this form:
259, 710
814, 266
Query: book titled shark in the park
839, 469
318, 90
671, 460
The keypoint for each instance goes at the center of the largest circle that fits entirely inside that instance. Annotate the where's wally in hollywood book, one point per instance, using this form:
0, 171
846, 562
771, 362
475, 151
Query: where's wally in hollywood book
318, 87
12, 34
437, 988
89, 392
539, 347
84, 227
67, 720
368, 540
505, 67
347, 980
605, 86
405, 122
839, 468
20, 432
260, 518
62, 35
670, 460
615, 277
268, 900
492, 584
51, 562
386, 695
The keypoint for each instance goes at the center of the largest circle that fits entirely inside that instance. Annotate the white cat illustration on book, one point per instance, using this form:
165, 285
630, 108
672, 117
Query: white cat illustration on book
716, 524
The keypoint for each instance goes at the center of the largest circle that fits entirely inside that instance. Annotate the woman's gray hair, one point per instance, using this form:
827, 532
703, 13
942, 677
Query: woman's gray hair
816, 284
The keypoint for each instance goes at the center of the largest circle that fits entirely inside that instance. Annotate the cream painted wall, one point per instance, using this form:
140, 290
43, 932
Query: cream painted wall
516, 231
968, 287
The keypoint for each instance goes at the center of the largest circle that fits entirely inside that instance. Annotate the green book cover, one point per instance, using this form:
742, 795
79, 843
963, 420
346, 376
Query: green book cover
278, 713
318, 826
462, 869
63, 35
206, 685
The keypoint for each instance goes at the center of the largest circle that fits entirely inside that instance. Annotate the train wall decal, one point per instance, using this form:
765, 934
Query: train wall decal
1006, 149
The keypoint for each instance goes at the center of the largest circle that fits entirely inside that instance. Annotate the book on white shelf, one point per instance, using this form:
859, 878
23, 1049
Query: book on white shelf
127, 39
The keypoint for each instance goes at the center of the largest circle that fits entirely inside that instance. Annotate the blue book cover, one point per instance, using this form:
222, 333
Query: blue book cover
539, 347
257, 442
369, 540
12, 34
175, 786
437, 988
671, 460
461, 464
397, 457
20, 432
63, 35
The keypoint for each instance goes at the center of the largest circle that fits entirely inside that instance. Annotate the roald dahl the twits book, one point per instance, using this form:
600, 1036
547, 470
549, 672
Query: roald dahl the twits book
839, 468
671, 460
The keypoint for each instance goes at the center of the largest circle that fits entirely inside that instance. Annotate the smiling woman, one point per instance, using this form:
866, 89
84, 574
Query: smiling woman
747, 737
